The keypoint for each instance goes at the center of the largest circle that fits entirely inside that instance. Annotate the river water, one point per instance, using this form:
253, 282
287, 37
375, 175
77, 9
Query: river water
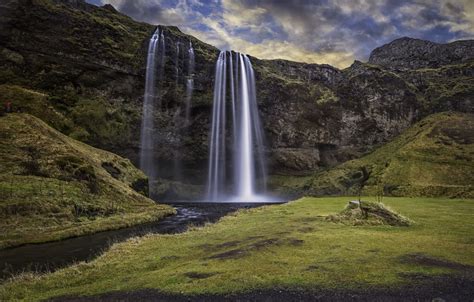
51, 256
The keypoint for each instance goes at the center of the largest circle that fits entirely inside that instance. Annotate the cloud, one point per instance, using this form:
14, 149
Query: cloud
274, 49
320, 31
150, 11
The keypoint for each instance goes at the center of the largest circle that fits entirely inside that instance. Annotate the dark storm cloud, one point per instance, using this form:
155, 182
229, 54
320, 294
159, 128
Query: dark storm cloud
320, 31
150, 11
141, 10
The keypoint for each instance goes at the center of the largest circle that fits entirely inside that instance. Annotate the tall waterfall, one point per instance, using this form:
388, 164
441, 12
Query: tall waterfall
154, 70
248, 164
189, 82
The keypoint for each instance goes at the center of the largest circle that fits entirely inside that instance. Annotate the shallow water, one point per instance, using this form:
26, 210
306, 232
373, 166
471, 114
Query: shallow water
53, 255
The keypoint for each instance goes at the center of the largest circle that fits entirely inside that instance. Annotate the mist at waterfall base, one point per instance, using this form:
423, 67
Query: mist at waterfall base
236, 135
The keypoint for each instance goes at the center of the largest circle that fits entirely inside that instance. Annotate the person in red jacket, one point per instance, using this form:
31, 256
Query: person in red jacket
8, 107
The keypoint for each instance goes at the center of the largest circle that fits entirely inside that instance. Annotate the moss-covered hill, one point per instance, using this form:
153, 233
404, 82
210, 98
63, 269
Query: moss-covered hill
435, 157
52, 186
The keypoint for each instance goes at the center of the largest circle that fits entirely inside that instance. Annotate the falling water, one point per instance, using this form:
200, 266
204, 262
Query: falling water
178, 44
217, 143
155, 58
189, 82
248, 158
245, 174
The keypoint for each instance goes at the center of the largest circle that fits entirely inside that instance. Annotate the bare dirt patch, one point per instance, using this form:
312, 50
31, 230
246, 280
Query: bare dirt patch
198, 275
425, 260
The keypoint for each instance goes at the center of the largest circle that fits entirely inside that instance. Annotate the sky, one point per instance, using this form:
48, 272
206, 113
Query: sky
314, 31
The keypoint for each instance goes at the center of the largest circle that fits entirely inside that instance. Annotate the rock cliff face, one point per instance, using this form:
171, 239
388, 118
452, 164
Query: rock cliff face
407, 53
90, 62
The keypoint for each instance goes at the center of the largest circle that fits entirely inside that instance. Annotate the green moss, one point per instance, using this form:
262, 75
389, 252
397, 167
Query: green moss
325, 95
445, 87
91, 120
288, 185
36, 103
53, 187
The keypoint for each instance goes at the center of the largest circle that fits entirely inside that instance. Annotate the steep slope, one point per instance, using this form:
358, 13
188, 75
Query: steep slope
89, 62
435, 157
53, 187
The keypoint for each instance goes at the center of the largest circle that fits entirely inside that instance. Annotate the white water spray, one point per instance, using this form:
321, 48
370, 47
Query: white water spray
248, 158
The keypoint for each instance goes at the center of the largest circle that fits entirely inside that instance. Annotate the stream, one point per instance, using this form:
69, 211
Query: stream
51, 256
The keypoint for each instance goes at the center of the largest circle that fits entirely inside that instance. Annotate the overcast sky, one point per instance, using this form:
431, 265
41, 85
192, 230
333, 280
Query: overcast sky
315, 31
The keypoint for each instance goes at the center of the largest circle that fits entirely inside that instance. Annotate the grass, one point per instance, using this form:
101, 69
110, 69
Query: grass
35, 103
53, 187
285, 246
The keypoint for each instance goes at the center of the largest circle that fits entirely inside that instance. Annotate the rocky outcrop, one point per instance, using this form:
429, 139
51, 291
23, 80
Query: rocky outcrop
89, 62
408, 53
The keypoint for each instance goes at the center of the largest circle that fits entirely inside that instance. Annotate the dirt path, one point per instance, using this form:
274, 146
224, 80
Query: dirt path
423, 288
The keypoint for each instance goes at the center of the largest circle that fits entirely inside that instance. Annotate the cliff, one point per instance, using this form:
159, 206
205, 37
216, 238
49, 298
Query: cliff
90, 64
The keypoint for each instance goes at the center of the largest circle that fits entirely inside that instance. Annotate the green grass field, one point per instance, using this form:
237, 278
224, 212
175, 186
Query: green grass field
281, 246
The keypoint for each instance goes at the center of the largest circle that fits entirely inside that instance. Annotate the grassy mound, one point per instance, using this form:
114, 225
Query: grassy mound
369, 213
53, 187
433, 158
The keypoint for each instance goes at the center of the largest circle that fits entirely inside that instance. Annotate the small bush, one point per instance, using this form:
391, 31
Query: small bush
87, 173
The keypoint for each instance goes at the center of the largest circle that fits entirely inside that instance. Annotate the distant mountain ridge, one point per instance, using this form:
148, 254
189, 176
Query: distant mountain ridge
408, 53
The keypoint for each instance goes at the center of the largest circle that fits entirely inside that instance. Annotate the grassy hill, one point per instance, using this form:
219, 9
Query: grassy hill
432, 158
52, 186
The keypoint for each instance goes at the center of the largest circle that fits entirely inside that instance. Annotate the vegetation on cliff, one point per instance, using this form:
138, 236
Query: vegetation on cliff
432, 158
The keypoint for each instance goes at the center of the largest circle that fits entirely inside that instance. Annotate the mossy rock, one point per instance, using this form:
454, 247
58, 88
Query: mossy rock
369, 213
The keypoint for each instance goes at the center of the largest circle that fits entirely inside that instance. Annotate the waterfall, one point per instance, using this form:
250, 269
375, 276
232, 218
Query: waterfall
245, 173
217, 158
177, 63
155, 61
189, 82
248, 162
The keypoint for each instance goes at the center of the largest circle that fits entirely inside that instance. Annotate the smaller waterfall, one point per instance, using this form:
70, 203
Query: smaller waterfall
178, 44
248, 147
155, 62
189, 82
